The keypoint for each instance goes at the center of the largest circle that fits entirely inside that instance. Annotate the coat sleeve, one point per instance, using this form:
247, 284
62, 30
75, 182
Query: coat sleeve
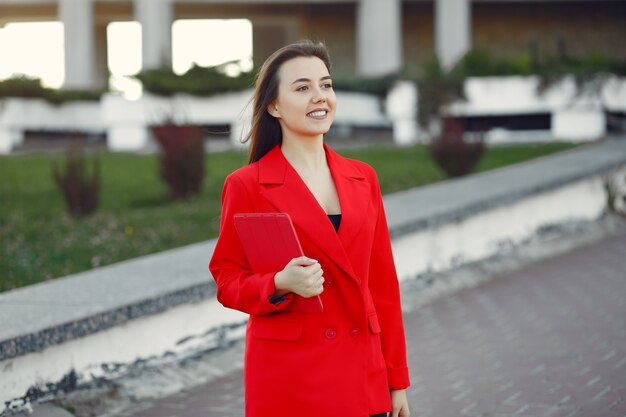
385, 290
238, 287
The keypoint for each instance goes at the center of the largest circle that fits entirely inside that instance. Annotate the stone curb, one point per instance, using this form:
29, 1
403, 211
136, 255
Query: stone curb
56, 311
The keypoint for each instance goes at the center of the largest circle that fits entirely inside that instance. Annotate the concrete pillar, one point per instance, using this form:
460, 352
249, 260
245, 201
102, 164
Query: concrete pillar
80, 44
156, 18
379, 37
453, 30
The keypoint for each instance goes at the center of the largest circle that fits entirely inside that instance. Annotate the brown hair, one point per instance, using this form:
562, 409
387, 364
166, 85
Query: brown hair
266, 132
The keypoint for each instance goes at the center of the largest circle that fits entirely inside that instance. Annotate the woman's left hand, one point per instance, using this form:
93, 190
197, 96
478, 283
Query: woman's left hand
399, 403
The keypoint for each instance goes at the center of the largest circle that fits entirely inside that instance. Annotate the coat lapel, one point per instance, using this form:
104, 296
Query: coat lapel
282, 186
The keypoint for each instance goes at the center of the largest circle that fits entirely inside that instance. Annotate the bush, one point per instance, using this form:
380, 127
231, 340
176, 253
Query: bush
478, 63
453, 154
30, 87
372, 85
182, 158
22, 86
199, 81
434, 94
438, 87
80, 190
64, 96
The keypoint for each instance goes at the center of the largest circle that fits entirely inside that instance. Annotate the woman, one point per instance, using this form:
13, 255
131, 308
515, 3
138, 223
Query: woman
350, 359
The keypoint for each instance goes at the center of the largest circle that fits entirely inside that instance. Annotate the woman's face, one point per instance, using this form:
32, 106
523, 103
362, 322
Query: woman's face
305, 105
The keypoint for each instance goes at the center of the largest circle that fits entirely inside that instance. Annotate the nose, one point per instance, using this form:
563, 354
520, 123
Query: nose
319, 96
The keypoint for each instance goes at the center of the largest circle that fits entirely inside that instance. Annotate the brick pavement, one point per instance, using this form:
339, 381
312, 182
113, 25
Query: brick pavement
548, 340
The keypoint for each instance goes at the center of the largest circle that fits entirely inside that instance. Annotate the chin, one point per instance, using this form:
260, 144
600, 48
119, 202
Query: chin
322, 131
324, 128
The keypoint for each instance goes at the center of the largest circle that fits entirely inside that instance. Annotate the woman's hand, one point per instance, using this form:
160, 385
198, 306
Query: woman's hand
399, 403
302, 276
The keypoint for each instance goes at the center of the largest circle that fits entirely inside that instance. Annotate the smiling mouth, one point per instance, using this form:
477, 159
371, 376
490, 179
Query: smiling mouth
318, 114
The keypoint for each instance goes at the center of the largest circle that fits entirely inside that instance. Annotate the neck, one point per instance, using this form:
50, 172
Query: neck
306, 154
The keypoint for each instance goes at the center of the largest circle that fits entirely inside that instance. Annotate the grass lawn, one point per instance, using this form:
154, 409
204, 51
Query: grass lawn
39, 241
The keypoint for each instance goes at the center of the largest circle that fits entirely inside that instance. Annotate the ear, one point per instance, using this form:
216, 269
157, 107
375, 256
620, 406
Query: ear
272, 109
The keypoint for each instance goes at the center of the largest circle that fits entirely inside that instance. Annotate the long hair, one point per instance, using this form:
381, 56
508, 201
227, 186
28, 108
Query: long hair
266, 132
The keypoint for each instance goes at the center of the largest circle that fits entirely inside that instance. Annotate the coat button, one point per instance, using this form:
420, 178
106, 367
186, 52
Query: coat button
331, 333
354, 331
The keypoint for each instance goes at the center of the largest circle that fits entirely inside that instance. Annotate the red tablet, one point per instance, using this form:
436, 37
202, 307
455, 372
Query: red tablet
270, 242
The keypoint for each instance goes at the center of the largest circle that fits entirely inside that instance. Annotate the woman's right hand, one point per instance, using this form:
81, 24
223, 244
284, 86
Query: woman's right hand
302, 276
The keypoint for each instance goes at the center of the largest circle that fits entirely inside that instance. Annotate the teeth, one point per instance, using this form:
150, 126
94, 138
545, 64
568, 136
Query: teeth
320, 113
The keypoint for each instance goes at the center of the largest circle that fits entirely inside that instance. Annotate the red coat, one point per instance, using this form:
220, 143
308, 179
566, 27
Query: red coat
339, 363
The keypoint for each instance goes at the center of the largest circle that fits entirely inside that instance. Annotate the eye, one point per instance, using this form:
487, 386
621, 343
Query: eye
302, 88
327, 85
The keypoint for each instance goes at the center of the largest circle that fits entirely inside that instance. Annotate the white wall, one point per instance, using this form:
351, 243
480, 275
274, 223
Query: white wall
144, 337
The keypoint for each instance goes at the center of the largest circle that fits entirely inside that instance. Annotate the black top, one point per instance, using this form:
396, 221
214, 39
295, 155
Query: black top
335, 220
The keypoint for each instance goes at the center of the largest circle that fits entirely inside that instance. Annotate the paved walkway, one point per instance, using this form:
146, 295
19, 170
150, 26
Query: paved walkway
546, 341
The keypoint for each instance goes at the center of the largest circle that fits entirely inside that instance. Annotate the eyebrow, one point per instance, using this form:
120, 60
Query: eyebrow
328, 77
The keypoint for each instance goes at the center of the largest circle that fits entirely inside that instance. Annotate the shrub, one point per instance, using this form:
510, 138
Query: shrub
453, 154
63, 96
372, 85
30, 87
436, 88
22, 86
434, 94
478, 63
182, 158
80, 190
199, 81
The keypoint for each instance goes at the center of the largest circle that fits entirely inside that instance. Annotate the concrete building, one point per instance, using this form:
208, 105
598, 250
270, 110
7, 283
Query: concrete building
367, 37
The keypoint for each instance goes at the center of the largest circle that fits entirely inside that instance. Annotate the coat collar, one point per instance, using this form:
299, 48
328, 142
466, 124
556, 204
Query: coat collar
283, 187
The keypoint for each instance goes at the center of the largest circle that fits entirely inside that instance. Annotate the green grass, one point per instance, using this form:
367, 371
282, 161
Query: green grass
39, 241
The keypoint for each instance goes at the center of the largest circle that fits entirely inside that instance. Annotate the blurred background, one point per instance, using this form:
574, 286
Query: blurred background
112, 39
106, 51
